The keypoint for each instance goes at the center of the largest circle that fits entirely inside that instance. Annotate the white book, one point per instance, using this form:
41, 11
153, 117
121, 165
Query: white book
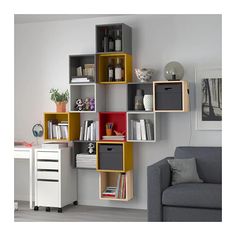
91, 131
94, 131
61, 130
138, 130
81, 136
66, 132
97, 130
143, 129
88, 133
132, 129
85, 129
150, 131
54, 132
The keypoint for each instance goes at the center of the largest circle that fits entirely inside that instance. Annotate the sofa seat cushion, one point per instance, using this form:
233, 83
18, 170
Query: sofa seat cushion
193, 195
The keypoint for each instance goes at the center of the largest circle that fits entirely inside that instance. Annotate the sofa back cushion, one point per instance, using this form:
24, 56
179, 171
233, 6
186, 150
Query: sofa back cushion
209, 161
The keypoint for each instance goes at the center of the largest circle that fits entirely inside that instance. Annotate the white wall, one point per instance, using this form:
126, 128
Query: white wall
41, 62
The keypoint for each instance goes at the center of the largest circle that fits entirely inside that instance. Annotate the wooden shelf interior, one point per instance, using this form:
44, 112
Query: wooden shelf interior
73, 127
109, 179
114, 156
79, 60
150, 117
171, 96
81, 91
132, 88
117, 118
102, 63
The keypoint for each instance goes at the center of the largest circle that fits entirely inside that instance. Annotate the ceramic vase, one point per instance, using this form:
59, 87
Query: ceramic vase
138, 103
148, 102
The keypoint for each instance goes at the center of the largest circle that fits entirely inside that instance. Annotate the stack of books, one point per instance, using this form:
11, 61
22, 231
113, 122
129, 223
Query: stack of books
118, 191
84, 160
141, 130
113, 137
84, 75
82, 79
89, 131
57, 130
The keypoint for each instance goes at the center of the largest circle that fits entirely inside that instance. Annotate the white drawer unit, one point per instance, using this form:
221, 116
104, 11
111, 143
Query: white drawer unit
55, 179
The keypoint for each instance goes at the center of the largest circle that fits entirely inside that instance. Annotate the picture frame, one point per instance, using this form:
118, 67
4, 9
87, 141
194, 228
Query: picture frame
208, 85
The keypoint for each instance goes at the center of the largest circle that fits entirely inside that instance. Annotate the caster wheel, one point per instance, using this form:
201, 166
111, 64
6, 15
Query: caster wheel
48, 209
75, 203
36, 208
59, 210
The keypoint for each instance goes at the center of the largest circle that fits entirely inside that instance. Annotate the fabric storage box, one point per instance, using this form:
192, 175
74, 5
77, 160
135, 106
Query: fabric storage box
110, 157
168, 96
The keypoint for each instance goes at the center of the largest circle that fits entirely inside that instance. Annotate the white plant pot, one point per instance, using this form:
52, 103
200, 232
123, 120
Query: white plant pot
148, 102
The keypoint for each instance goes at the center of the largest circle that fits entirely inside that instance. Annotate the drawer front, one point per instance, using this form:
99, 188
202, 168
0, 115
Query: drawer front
21, 154
48, 165
48, 193
49, 155
169, 88
49, 175
111, 148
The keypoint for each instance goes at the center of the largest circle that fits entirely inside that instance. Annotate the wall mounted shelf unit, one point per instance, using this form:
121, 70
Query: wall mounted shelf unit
125, 32
114, 157
147, 88
110, 179
73, 120
171, 96
76, 61
142, 127
87, 90
102, 65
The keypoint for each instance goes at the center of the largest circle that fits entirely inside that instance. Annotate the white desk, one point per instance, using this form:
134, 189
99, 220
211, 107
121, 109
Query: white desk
21, 152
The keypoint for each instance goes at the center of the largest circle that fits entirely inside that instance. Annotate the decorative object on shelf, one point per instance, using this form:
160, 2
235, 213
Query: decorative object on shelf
148, 102
109, 127
119, 133
92, 104
60, 99
91, 148
208, 84
119, 72
144, 74
138, 100
174, 71
79, 104
87, 104
37, 130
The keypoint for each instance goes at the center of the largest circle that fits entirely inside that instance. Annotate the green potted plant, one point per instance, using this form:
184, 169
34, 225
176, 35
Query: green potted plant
60, 99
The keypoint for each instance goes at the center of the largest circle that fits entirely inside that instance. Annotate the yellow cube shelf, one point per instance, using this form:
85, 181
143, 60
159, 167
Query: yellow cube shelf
102, 63
73, 120
114, 156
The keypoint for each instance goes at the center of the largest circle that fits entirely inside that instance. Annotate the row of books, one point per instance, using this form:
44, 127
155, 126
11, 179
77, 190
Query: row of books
57, 130
141, 130
89, 131
119, 191
84, 160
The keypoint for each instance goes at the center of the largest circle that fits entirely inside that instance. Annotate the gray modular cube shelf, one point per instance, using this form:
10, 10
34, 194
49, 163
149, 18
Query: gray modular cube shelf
80, 60
126, 34
110, 157
132, 88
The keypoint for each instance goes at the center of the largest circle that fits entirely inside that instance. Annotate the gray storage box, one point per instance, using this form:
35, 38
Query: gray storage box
168, 96
110, 157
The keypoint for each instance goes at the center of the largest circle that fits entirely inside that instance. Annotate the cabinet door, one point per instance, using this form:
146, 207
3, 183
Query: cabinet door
48, 193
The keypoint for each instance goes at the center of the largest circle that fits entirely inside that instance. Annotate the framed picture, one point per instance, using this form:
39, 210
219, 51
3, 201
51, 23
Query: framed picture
208, 83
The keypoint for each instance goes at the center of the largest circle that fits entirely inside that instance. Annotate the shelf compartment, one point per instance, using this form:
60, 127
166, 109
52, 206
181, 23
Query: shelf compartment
87, 90
117, 118
126, 36
110, 179
102, 63
73, 120
114, 156
80, 60
147, 88
171, 96
137, 116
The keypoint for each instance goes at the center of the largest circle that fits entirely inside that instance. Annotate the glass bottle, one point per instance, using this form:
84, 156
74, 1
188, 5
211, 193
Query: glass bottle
138, 100
118, 70
111, 43
118, 41
110, 70
105, 41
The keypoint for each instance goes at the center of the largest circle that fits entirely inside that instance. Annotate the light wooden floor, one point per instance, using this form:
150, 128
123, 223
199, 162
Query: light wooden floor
79, 214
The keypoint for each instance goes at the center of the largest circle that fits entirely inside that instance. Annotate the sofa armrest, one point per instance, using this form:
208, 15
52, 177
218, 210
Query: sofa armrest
158, 179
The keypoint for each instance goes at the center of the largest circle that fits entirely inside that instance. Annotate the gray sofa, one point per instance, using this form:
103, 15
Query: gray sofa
186, 201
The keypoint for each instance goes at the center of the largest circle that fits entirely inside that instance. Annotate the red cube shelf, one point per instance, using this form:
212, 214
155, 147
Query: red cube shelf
119, 123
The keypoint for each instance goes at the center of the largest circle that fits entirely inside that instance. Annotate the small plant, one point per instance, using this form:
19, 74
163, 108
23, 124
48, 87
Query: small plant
56, 96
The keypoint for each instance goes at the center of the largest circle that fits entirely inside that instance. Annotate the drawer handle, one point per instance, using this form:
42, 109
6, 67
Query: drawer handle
168, 88
109, 149
47, 170
47, 180
46, 160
